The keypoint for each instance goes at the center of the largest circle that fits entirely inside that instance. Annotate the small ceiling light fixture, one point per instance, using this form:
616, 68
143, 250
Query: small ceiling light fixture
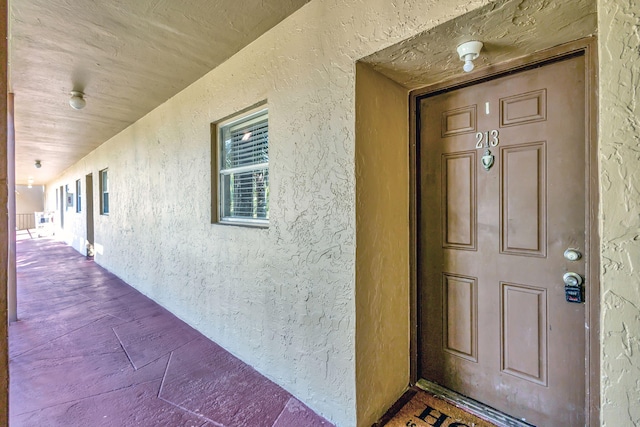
38, 164
77, 100
468, 52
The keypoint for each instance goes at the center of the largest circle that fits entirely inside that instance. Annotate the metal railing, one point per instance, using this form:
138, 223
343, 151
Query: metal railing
25, 221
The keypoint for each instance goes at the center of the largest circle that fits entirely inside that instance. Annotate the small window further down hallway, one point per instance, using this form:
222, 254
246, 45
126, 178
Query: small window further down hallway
78, 196
104, 192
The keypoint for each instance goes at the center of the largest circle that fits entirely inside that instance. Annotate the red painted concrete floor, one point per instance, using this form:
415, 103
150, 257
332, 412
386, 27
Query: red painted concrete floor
89, 350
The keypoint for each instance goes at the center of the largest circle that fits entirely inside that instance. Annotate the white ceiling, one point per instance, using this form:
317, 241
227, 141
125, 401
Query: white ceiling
128, 56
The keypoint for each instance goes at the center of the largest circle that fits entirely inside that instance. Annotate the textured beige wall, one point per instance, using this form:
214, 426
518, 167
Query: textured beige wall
382, 243
619, 134
287, 299
298, 300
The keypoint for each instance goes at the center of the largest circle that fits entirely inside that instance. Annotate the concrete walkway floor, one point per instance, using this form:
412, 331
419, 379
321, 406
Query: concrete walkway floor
89, 350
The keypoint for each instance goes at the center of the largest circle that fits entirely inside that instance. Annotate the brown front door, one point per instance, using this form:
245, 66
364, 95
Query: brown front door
494, 324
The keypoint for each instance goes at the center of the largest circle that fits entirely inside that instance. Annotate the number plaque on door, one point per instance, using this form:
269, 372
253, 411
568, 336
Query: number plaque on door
485, 140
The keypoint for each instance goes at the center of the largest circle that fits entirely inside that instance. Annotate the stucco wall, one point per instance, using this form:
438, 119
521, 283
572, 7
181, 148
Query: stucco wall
382, 243
619, 29
287, 299
282, 298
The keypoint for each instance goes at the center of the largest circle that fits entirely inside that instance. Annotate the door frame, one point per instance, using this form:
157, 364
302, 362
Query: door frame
89, 214
584, 47
63, 205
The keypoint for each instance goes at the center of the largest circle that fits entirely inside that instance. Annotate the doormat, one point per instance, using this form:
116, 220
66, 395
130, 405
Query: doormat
417, 408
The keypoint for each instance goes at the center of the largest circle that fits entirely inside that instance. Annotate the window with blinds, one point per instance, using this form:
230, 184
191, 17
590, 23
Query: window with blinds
243, 179
78, 196
104, 192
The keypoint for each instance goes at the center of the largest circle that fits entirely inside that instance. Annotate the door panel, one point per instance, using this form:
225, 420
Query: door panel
461, 311
523, 200
459, 215
524, 332
523, 108
494, 323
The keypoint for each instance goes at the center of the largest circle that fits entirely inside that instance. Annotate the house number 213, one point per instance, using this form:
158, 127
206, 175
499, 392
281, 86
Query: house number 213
487, 139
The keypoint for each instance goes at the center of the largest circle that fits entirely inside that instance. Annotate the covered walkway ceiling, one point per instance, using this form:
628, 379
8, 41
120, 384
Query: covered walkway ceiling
127, 56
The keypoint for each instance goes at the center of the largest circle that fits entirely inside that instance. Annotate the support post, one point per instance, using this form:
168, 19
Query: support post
12, 285
4, 223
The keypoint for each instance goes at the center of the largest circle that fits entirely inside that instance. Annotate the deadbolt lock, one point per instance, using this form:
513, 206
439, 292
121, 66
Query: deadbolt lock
573, 287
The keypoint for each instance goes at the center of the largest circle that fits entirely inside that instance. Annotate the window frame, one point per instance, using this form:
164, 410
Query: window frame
257, 113
104, 172
78, 196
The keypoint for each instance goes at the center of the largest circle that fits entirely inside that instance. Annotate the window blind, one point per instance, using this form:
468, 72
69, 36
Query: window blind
246, 144
244, 169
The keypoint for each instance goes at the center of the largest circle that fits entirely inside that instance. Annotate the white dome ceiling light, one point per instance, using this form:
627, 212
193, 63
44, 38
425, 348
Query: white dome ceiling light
77, 100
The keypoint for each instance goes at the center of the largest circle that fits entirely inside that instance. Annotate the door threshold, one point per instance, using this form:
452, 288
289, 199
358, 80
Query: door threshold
472, 406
